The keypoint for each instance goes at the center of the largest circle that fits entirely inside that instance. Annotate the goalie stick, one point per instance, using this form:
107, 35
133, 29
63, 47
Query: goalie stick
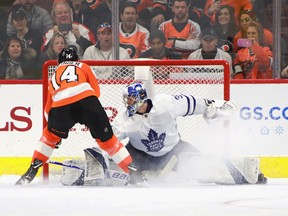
65, 165
113, 174
80, 180
116, 178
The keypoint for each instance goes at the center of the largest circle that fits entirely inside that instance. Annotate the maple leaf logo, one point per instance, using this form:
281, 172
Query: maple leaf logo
154, 143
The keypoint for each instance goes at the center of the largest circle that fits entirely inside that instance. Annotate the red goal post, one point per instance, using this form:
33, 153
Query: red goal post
200, 78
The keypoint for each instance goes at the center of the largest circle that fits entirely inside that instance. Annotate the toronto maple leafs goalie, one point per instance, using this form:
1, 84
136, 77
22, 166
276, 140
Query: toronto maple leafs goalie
154, 143
150, 124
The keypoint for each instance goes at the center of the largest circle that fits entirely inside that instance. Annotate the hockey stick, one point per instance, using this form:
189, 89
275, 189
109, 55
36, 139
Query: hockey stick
65, 165
80, 180
113, 174
169, 166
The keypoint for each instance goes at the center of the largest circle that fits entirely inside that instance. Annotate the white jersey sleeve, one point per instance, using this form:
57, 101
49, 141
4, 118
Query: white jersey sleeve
183, 105
119, 126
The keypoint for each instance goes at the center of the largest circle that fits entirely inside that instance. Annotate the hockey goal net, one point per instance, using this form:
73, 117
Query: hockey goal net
200, 78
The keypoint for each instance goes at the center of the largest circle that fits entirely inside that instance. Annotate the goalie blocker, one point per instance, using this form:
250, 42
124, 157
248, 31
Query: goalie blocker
98, 170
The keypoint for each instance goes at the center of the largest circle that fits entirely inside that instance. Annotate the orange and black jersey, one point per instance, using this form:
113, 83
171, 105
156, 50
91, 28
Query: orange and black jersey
71, 82
93, 4
180, 34
253, 63
135, 42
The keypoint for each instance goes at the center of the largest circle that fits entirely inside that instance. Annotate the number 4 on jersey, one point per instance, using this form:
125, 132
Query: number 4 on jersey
69, 74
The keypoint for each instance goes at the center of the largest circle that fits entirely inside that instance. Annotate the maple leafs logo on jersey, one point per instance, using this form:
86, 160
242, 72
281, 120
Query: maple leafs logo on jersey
154, 143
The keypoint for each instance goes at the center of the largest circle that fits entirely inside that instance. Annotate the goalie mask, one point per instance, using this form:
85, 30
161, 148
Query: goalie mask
134, 96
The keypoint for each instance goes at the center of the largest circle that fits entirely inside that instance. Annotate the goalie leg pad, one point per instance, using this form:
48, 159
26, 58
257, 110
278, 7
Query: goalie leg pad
71, 176
99, 170
96, 170
209, 169
244, 170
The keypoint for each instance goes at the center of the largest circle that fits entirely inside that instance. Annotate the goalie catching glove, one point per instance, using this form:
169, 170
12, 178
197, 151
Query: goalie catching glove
217, 109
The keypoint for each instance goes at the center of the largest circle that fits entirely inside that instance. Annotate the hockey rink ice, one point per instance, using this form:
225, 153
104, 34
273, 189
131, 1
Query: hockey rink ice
180, 200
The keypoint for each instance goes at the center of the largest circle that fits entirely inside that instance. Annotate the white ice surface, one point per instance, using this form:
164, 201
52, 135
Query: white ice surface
166, 199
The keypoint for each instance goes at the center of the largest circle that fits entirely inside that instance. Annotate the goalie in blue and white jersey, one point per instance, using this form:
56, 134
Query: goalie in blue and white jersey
150, 124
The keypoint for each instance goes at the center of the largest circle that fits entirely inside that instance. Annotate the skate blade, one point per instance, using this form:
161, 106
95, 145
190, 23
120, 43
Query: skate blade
22, 181
138, 184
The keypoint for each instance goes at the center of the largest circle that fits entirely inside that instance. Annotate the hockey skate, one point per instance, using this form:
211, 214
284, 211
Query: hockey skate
136, 177
31, 173
261, 179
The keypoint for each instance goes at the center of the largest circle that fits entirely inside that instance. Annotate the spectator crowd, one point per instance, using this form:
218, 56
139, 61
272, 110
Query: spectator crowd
239, 32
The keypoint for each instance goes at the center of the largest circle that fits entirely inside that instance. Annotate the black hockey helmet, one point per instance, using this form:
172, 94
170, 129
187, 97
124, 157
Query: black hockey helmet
68, 54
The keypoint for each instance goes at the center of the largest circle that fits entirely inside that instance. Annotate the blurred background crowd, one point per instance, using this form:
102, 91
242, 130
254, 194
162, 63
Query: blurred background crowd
252, 35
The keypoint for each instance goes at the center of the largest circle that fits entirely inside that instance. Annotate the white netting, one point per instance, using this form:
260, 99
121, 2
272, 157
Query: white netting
196, 79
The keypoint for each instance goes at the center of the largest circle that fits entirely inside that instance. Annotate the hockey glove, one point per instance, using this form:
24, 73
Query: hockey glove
218, 109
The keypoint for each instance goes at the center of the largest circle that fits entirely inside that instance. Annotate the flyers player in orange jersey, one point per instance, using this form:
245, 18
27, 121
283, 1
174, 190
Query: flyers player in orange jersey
73, 98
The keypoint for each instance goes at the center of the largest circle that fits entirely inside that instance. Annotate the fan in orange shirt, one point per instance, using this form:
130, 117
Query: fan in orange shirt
132, 36
245, 18
255, 59
182, 33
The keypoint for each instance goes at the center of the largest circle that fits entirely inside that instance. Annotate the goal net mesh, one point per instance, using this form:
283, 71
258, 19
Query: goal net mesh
200, 78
